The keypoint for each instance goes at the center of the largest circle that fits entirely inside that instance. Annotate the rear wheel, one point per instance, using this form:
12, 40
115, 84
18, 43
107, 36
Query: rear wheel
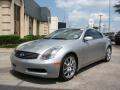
68, 67
108, 54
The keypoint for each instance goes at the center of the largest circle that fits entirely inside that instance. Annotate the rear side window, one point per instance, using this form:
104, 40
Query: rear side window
88, 33
97, 35
93, 33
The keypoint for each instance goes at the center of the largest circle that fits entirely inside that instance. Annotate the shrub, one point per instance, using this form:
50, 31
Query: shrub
42, 36
8, 45
9, 39
30, 37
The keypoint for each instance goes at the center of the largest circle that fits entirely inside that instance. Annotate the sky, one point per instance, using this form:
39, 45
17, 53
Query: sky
77, 13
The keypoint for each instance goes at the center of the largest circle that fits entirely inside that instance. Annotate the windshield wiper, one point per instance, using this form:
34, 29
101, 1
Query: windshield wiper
47, 38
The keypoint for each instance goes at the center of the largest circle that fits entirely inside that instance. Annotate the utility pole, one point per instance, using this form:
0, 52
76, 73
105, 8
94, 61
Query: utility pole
100, 22
109, 16
65, 18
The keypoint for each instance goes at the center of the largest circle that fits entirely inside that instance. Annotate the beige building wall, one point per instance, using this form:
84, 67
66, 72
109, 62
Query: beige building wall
0, 18
20, 3
7, 20
41, 28
23, 32
12, 16
34, 27
54, 24
44, 28
26, 25
7, 16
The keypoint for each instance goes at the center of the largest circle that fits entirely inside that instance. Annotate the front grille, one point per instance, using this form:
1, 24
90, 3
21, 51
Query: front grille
26, 55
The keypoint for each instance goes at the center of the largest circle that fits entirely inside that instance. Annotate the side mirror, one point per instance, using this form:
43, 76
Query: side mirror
88, 38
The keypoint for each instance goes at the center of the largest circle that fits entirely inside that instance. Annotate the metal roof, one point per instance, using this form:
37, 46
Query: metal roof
33, 10
45, 14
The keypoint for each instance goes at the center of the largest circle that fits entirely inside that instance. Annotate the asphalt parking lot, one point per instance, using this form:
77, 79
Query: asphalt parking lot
98, 76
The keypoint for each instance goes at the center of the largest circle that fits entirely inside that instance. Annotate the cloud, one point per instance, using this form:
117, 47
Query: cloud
81, 3
96, 16
80, 11
75, 8
116, 18
77, 15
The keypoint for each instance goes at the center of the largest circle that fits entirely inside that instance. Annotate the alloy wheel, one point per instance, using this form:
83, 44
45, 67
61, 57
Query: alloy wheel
108, 54
69, 67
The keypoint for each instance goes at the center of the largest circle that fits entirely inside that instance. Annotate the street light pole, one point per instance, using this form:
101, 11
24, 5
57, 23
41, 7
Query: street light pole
109, 16
100, 22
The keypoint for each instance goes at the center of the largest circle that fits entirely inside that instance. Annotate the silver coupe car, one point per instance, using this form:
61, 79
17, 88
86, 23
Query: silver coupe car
62, 53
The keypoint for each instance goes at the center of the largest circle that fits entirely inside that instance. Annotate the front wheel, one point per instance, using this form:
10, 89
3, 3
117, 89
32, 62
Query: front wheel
68, 68
108, 54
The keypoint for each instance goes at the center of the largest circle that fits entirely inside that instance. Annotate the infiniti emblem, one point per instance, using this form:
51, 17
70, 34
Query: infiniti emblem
22, 54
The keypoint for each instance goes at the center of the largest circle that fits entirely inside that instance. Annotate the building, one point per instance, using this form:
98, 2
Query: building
53, 24
61, 25
23, 17
91, 23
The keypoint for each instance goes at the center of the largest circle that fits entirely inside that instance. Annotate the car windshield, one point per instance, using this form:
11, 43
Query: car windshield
65, 34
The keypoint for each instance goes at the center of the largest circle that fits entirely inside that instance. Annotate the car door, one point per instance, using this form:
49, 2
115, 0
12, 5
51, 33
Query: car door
101, 45
91, 47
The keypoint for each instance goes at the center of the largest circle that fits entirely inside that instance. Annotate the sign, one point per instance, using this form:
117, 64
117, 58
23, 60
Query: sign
91, 23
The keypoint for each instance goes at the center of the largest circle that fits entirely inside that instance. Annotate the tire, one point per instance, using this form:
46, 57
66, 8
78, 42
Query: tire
68, 68
108, 54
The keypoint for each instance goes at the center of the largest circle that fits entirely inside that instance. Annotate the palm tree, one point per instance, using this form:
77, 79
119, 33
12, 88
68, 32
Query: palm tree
117, 7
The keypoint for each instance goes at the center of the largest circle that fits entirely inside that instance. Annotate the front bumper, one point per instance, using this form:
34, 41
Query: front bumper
46, 69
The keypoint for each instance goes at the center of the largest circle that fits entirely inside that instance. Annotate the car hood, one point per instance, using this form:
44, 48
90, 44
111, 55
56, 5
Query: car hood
41, 45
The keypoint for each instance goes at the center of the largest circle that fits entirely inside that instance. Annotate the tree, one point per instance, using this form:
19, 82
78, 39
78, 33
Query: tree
117, 7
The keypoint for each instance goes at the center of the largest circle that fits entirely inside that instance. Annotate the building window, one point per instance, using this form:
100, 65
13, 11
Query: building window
30, 26
38, 27
17, 20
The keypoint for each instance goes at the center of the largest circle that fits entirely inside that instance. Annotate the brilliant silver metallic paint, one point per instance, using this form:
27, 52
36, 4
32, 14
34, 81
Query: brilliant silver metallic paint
87, 52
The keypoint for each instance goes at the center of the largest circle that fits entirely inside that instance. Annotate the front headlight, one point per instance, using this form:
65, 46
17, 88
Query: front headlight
50, 53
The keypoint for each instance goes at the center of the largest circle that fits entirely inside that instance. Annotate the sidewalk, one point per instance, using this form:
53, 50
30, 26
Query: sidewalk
6, 50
